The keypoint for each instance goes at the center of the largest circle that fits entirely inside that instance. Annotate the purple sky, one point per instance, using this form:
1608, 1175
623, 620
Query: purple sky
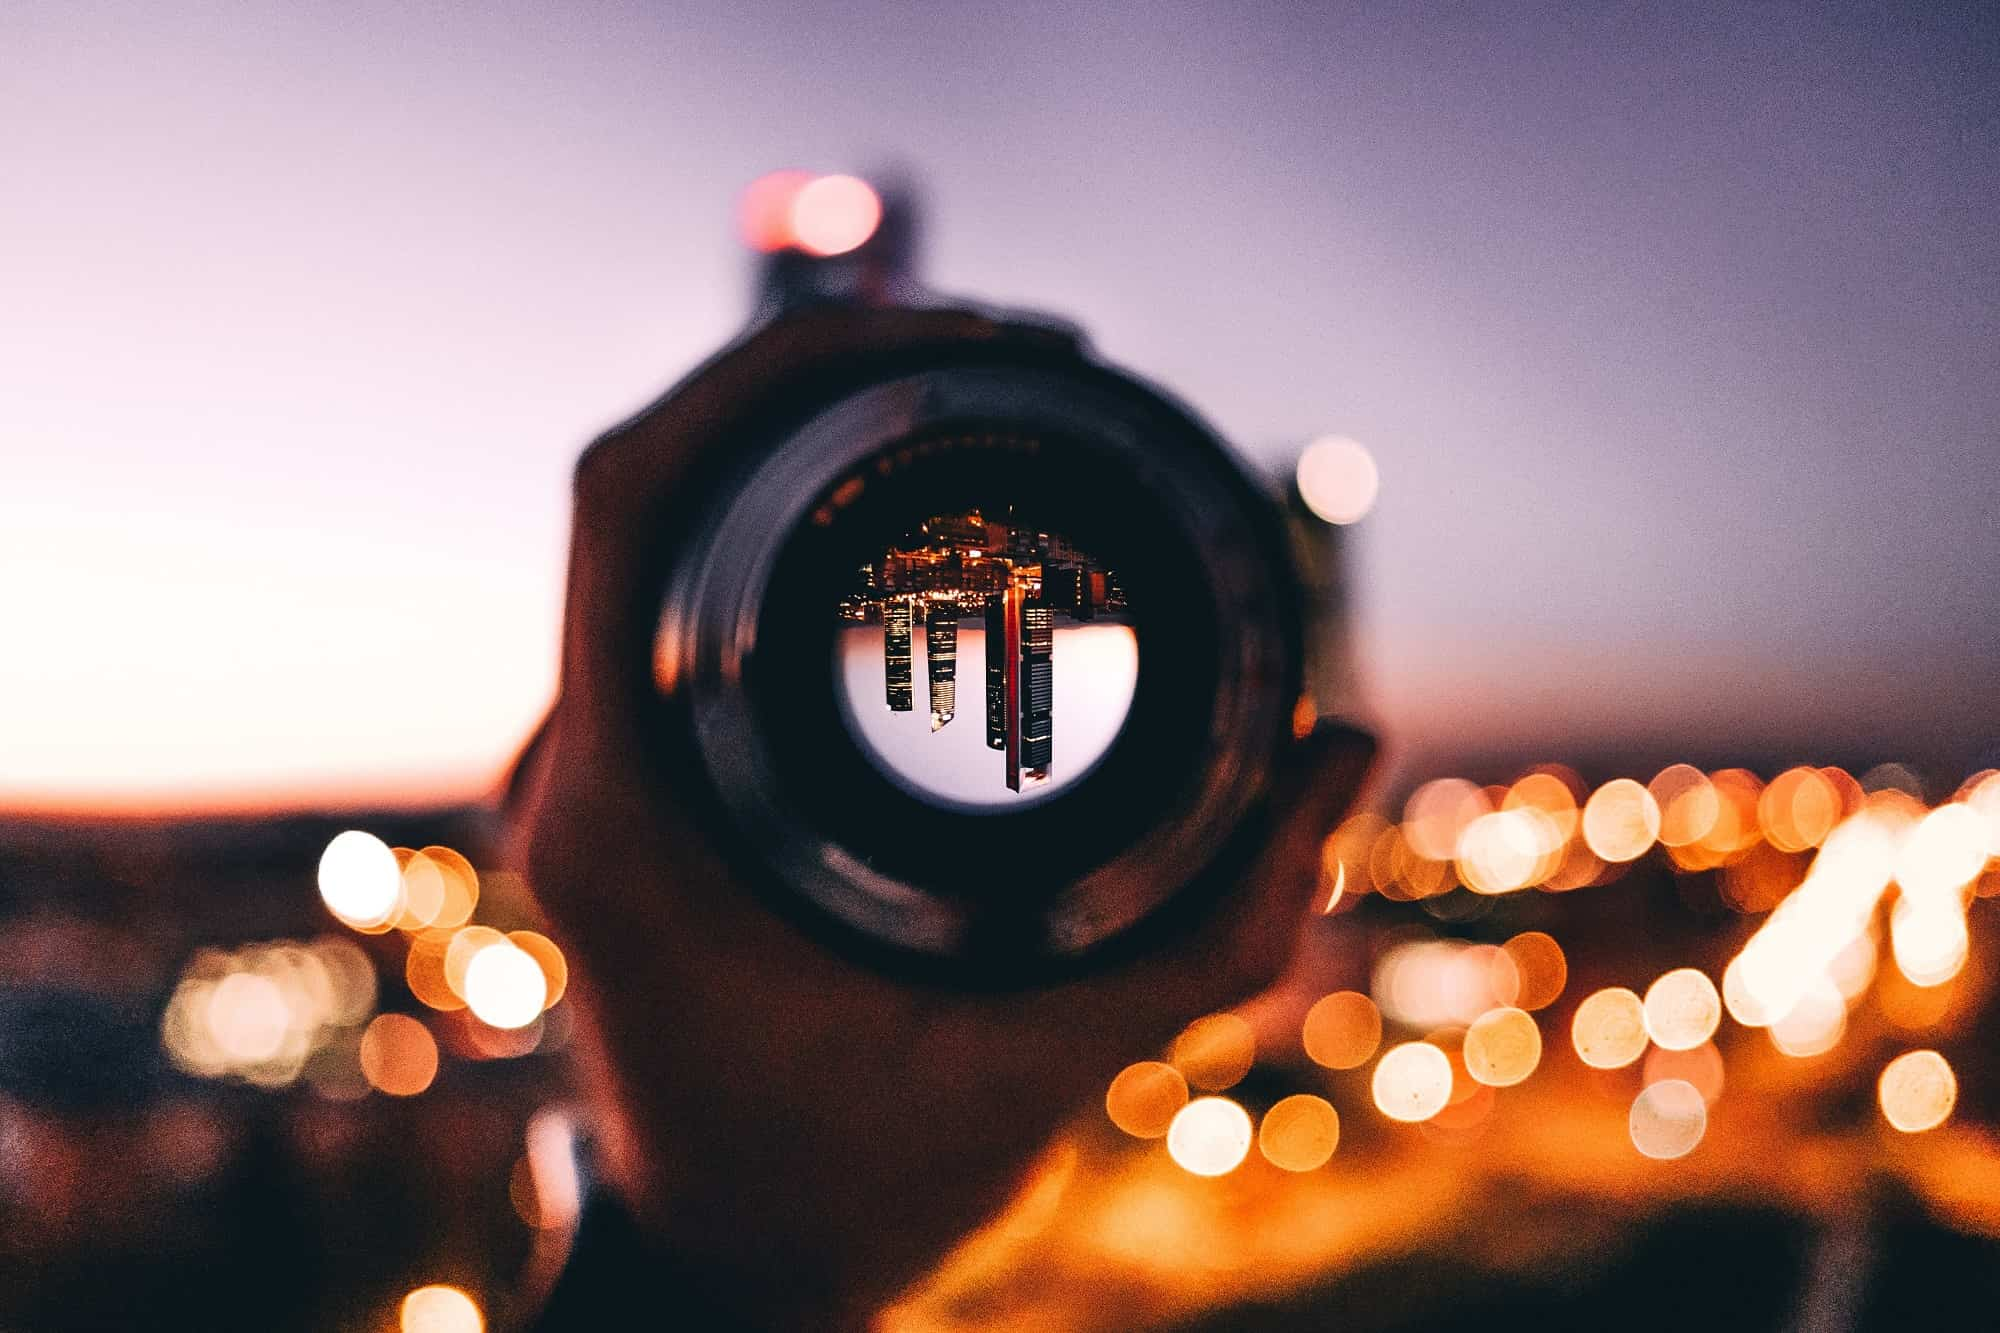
1674, 334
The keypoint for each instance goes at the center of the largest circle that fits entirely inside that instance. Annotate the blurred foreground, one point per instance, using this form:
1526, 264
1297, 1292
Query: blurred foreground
1704, 1053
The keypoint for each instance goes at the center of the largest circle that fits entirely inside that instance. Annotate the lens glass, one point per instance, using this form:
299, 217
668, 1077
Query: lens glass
982, 660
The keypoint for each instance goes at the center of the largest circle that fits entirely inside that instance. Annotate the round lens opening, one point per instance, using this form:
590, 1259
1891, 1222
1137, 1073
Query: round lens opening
984, 661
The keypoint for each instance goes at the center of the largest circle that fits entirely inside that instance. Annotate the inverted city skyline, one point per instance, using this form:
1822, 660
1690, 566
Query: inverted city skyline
1017, 579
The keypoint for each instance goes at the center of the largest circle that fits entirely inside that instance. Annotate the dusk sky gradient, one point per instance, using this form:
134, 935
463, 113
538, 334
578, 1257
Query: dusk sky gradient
1674, 330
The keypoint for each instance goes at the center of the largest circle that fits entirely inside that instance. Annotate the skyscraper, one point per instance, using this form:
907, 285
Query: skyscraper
1025, 631
941, 661
996, 671
1037, 692
896, 669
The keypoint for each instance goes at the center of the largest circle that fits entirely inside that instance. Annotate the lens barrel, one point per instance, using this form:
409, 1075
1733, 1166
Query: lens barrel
750, 706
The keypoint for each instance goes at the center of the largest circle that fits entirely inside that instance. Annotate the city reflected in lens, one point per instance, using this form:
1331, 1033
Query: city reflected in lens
1032, 627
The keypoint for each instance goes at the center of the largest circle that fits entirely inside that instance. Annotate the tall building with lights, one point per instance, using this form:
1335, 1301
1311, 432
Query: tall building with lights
941, 662
996, 671
1037, 694
896, 669
1020, 694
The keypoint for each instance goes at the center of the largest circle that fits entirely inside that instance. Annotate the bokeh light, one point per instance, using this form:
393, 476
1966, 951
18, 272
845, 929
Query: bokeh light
1682, 1009
1917, 1091
1507, 850
1299, 1133
398, 1055
461, 946
424, 971
552, 1167
555, 968
1609, 1029
764, 214
1702, 1067
1668, 1119
1338, 479
1502, 1047
1621, 820
1929, 940
1944, 853
1215, 1052
1551, 795
831, 215
1799, 809
1688, 804
1429, 983
1412, 1082
360, 881
1815, 1022
423, 889
459, 882
505, 987
350, 979
1342, 1030
1145, 1097
1209, 1137
1436, 816
265, 1013
1739, 794
1540, 965
441, 1309
247, 1018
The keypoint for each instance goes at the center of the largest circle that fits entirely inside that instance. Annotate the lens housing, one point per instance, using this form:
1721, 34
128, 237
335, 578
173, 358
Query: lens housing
988, 896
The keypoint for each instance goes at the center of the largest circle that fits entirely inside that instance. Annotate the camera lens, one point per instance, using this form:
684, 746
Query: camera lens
985, 665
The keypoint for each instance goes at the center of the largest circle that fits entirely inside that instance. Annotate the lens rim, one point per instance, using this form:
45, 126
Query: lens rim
714, 622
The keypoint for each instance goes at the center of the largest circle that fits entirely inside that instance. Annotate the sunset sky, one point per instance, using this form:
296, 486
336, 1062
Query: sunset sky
1674, 335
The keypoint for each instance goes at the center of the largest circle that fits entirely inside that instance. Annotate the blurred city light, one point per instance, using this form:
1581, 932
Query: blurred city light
1814, 1023
1701, 1067
1917, 1091
1210, 1136
1799, 809
1437, 814
262, 1013
1337, 479
1412, 1082
1430, 982
1502, 1047
1506, 850
1621, 820
831, 215
764, 214
1682, 1009
555, 969
460, 948
1145, 1097
1668, 1119
1342, 1030
441, 1309
398, 1055
1299, 1133
360, 880
1609, 1028
1541, 967
1550, 793
1688, 802
552, 1167
1215, 1052
504, 986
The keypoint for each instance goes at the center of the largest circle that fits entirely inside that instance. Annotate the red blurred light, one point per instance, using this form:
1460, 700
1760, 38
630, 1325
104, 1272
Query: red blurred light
834, 214
820, 215
765, 212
